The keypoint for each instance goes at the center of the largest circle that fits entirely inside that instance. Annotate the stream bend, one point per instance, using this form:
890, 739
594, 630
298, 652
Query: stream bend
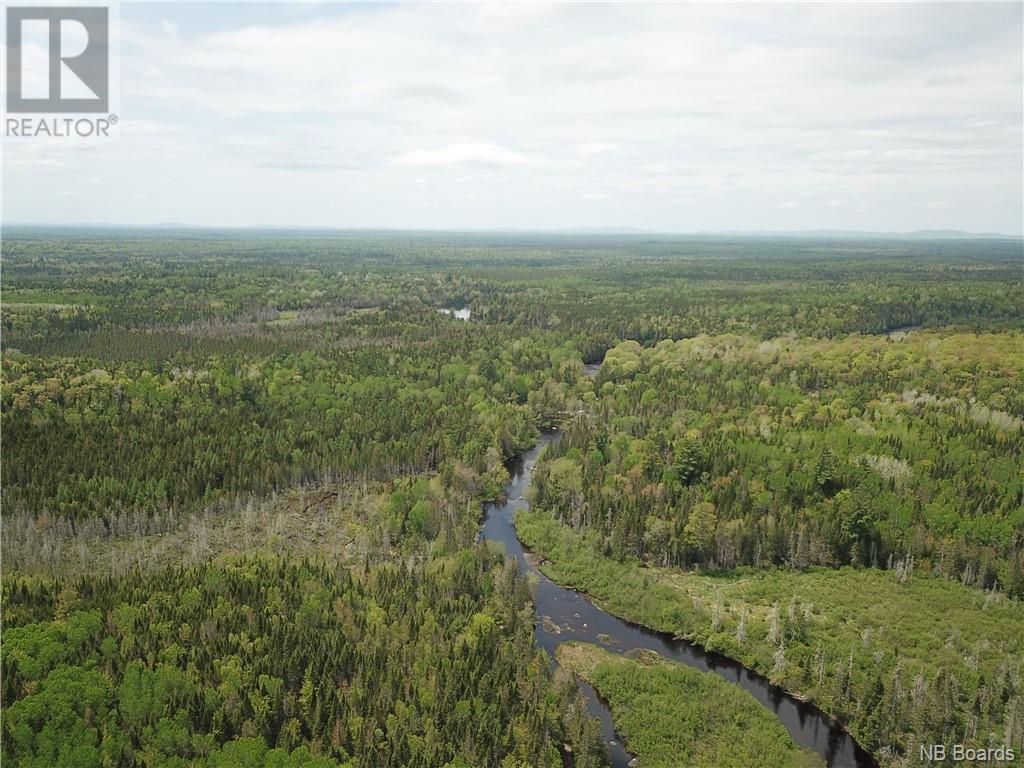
571, 616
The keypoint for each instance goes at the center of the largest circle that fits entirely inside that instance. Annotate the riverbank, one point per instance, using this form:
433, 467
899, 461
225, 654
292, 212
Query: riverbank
849, 629
564, 615
672, 715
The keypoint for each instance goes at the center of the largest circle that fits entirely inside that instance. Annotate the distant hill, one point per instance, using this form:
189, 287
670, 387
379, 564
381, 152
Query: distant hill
853, 234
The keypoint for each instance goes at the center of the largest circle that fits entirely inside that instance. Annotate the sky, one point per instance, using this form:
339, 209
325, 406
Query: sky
668, 117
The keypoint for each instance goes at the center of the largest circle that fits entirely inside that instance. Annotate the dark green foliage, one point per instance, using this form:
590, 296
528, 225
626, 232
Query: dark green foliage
688, 461
826, 474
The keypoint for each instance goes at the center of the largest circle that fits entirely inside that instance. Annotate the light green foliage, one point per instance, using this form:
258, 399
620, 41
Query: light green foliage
250, 752
57, 725
700, 526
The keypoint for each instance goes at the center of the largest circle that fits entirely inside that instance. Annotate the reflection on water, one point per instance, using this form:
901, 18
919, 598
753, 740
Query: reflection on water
565, 615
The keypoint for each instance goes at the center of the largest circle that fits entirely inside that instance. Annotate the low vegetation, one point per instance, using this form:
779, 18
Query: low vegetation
671, 715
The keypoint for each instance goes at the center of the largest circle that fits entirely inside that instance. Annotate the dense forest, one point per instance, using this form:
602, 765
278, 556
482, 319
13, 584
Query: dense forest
870, 451
242, 479
900, 453
262, 662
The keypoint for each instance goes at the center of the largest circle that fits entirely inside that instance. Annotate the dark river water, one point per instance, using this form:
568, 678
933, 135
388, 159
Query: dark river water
565, 615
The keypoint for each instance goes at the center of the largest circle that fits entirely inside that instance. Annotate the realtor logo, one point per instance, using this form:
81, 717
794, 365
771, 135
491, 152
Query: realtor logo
77, 79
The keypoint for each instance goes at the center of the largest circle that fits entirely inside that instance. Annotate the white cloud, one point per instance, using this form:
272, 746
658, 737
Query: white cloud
461, 154
734, 108
596, 147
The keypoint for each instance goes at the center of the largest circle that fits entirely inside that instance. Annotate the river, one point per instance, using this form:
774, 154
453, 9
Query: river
565, 615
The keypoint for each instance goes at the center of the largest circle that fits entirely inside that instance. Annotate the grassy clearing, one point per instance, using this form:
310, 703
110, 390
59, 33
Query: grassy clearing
858, 642
671, 715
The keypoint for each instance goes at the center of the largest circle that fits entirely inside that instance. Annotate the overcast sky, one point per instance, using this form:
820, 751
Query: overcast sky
678, 118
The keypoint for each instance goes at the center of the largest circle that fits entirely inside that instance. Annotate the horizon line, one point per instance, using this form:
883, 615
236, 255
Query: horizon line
620, 231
